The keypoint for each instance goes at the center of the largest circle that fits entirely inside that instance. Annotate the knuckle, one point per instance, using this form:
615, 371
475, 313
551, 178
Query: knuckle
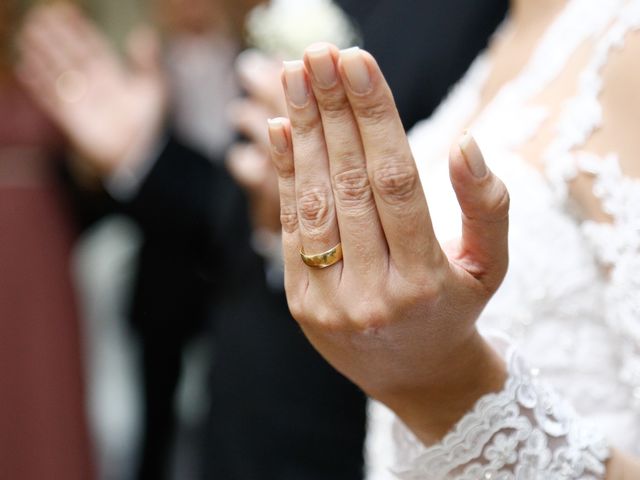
352, 188
305, 125
289, 218
327, 319
370, 316
396, 182
315, 207
296, 307
493, 206
318, 313
500, 205
375, 112
284, 165
334, 106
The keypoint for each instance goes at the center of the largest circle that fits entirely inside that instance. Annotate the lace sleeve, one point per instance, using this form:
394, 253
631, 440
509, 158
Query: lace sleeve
526, 431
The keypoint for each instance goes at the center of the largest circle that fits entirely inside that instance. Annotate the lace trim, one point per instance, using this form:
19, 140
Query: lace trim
526, 431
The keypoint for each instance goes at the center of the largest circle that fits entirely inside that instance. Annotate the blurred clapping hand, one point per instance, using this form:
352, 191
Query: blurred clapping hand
248, 160
281, 29
110, 111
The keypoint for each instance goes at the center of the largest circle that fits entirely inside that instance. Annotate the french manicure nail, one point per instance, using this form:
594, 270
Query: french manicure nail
322, 66
472, 155
296, 83
277, 135
356, 70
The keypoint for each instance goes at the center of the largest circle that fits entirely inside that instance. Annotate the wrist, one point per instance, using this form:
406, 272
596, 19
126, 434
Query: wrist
468, 373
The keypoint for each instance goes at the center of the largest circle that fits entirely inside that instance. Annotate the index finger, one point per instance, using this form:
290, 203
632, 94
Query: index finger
398, 193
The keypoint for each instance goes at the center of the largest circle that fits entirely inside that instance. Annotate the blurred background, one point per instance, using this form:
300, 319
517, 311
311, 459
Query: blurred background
144, 332
106, 364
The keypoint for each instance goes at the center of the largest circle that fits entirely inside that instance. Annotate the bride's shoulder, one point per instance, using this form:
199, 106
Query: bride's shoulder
620, 100
621, 74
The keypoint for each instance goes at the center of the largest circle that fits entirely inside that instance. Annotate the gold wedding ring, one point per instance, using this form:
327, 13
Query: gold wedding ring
322, 260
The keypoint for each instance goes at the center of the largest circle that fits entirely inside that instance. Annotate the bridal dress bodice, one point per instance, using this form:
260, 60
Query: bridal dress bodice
570, 303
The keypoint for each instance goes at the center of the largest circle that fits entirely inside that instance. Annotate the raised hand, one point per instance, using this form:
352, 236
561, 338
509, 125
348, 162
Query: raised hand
249, 162
397, 314
110, 112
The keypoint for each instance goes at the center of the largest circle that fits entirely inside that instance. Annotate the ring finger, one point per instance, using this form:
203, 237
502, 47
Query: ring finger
319, 231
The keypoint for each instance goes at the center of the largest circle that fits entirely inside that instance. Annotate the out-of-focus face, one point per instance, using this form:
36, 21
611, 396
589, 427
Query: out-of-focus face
193, 16
198, 16
237, 10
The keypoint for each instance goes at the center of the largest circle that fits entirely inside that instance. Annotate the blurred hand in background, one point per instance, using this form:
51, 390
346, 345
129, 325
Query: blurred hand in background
248, 160
110, 110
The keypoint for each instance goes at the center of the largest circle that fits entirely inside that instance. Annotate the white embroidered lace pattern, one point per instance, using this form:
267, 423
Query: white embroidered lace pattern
571, 299
616, 244
526, 431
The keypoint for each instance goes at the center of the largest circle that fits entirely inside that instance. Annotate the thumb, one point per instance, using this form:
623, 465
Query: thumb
144, 50
484, 201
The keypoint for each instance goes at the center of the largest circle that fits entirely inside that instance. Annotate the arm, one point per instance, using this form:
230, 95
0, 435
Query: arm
397, 315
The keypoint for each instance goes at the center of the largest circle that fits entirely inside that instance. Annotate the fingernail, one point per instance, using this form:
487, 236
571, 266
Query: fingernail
356, 70
277, 135
322, 66
296, 83
472, 155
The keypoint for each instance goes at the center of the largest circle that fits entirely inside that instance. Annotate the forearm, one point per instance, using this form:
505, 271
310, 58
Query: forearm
468, 374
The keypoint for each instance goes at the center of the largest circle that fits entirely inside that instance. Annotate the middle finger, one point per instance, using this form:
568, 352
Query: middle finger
362, 236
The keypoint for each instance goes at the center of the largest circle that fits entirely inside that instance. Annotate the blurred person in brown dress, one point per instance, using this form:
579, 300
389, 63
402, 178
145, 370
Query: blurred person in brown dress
43, 430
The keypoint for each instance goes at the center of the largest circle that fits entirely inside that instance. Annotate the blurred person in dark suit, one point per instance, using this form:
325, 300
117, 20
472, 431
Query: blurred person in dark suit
277, 411
172, 296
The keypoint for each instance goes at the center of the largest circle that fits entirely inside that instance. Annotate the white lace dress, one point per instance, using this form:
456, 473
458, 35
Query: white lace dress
570, 304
